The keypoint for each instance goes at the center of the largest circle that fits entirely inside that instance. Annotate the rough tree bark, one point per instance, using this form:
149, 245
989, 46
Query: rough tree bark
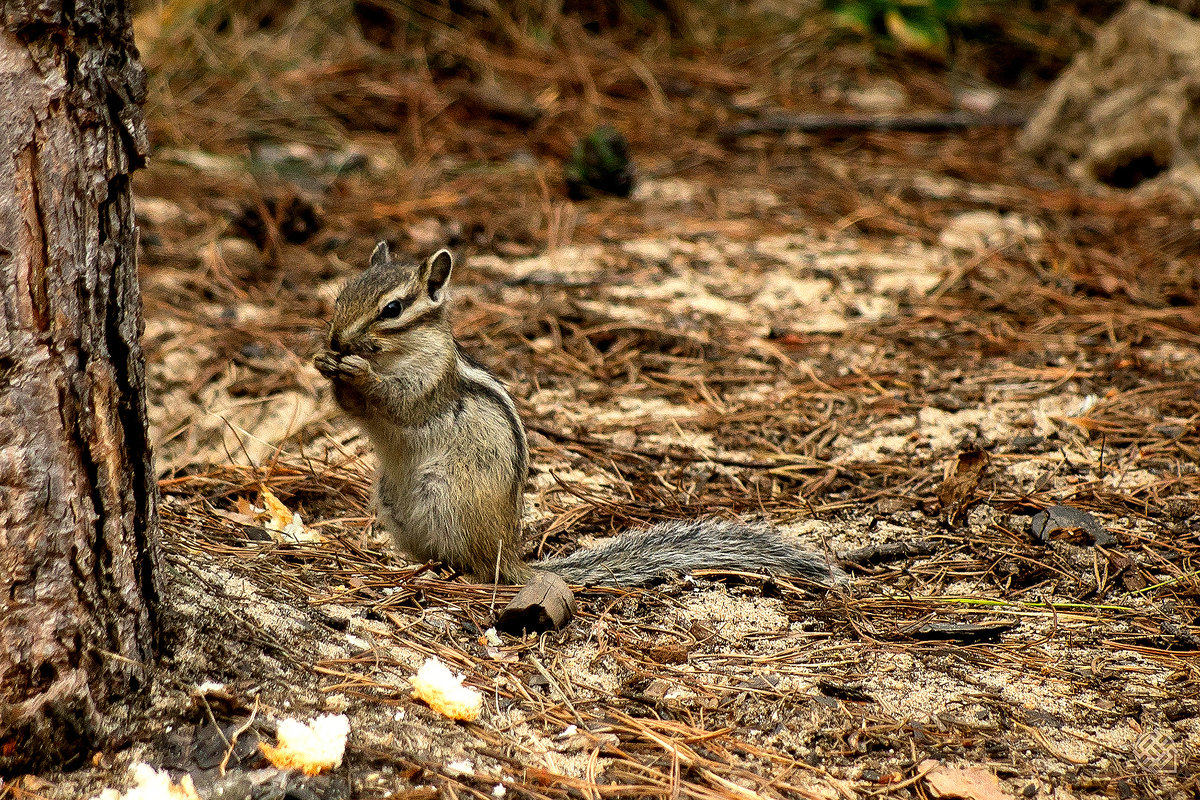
79, 546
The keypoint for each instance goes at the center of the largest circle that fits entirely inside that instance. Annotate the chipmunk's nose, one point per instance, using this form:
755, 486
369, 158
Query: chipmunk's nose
335, 343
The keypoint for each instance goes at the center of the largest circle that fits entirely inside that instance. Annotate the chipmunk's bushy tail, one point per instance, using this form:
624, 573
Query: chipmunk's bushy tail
638, 557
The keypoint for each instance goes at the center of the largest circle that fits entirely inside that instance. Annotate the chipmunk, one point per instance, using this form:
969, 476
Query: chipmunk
453, 457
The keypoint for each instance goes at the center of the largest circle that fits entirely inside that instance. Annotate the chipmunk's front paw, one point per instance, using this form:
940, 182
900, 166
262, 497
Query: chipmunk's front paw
326, 363
354, 367
336, 366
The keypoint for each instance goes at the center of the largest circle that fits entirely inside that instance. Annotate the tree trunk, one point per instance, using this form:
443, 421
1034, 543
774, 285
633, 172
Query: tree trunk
79, 547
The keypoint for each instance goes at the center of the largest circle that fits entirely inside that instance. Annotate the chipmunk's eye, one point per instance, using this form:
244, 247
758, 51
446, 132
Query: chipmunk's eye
391, 310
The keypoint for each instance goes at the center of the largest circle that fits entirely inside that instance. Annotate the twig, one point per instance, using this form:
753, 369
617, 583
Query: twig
234, 736
921, 122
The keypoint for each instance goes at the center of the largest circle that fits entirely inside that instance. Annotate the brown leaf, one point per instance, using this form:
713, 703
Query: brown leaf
972, 783
961, 478
668, 654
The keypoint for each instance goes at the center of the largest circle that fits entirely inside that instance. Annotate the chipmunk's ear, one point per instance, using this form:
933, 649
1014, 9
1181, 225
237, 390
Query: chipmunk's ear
437, 273
380, 255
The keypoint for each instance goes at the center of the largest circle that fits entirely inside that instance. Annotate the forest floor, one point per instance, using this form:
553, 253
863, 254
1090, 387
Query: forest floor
897, 346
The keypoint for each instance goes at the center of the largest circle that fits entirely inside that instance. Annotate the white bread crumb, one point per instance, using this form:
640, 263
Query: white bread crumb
283, 524
311, 748
151, 784
445, 693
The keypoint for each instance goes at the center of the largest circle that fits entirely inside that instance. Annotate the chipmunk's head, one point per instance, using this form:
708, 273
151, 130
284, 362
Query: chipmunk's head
392, 307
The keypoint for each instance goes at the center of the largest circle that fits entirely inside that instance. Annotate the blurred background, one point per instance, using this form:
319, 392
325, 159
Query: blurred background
691, 237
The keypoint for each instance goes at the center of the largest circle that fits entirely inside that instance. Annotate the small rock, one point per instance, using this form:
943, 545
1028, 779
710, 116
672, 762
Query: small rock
1056, 518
